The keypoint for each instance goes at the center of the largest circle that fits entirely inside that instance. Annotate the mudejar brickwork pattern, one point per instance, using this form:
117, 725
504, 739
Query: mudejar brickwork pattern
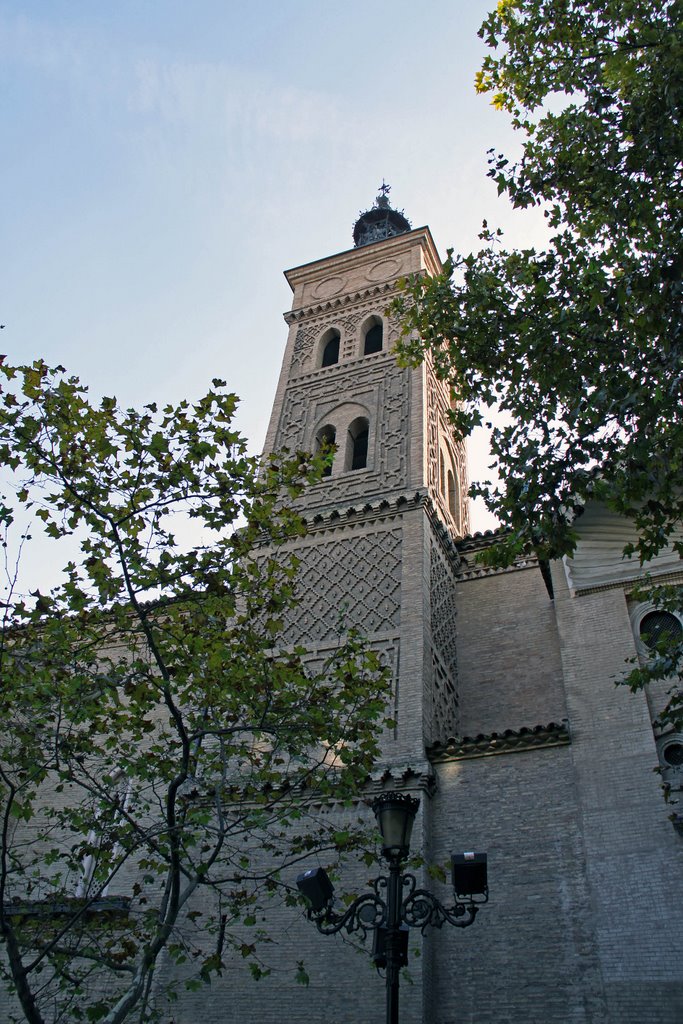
509, 725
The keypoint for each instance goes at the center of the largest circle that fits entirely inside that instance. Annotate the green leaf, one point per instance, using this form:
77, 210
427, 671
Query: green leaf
301, 976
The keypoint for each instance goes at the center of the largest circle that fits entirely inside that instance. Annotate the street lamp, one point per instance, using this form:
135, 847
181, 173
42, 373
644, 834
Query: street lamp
395, 903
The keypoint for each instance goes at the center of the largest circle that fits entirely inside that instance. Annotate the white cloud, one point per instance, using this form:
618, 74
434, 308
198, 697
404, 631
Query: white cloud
202, 96
223, 98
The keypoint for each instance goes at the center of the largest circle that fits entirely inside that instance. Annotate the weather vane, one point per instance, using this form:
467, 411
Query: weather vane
385, 189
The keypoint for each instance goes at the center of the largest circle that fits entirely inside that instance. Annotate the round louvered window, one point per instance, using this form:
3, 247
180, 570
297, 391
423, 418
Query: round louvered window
673, 754
658, 627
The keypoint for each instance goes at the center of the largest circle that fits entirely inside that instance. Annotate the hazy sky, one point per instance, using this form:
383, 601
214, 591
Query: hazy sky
164, 162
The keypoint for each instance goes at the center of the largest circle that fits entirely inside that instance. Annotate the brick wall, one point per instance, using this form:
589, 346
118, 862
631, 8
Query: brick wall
531, 955
509, 669
634, 859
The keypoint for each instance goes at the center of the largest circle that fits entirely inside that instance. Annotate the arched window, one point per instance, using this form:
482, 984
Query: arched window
452, 496
325, 440
373, 337
330, 348
357, 449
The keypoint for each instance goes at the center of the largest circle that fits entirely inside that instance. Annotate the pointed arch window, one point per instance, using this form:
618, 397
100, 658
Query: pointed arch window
452, 495
325, 440
373, 339
357, 449
330, 348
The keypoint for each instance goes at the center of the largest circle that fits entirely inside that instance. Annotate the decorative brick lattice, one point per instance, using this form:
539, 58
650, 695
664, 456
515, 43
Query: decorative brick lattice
393, 427
303, 347
463, 479
350, 324
444, 649
292, 429
444, 703
442, 597
353, 581
385, 388
386, 648
394, 325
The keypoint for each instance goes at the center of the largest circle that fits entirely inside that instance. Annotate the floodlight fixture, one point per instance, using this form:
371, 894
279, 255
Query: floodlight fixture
469, 875
316, 887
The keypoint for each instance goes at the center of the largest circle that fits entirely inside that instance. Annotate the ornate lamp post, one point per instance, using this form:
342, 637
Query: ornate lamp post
395, 903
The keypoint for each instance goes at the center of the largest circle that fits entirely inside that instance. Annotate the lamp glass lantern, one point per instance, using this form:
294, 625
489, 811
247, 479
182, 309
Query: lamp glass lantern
395, 813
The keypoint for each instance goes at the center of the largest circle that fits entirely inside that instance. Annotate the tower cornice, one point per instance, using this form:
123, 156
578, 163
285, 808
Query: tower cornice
293, 316
341, 516
385, 249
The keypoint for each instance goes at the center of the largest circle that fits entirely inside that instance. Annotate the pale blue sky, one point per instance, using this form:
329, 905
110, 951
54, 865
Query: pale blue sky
164, 162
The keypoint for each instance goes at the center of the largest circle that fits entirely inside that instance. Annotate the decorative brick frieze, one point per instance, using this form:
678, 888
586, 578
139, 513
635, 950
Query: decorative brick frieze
413, 776
472, 545
324, 309
512, 741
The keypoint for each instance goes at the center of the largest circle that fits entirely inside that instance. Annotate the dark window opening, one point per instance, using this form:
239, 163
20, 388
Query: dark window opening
452, 497
358, 441
660, 628
373, 340
673, 754
331, 350
325, 442
360, 450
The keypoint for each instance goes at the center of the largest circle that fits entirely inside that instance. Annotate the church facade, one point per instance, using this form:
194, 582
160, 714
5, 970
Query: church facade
509, 725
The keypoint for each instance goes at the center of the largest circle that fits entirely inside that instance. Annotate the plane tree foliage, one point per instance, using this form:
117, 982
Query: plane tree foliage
162, 748
577, 342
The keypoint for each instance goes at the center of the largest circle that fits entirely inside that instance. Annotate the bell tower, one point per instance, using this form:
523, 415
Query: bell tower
380, 551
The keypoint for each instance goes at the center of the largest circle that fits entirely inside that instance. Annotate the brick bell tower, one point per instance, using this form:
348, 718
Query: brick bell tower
379, 553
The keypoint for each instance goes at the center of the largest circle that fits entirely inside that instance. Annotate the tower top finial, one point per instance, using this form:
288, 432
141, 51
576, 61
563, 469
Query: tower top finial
382, 199
380, 221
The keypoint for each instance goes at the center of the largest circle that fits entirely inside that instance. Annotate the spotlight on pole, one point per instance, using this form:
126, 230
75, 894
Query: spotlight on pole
469, 875
316, 887
395, 903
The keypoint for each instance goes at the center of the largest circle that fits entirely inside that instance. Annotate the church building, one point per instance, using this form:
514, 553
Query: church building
509, 726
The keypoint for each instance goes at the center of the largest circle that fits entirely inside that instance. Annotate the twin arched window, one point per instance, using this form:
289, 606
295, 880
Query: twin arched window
355, 432
372, 340
358, 429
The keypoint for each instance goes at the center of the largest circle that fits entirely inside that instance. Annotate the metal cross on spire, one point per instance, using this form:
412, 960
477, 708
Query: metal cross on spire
384, 189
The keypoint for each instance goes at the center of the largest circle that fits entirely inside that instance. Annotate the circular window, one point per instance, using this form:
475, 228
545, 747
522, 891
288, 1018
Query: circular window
673, 754
659, 627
